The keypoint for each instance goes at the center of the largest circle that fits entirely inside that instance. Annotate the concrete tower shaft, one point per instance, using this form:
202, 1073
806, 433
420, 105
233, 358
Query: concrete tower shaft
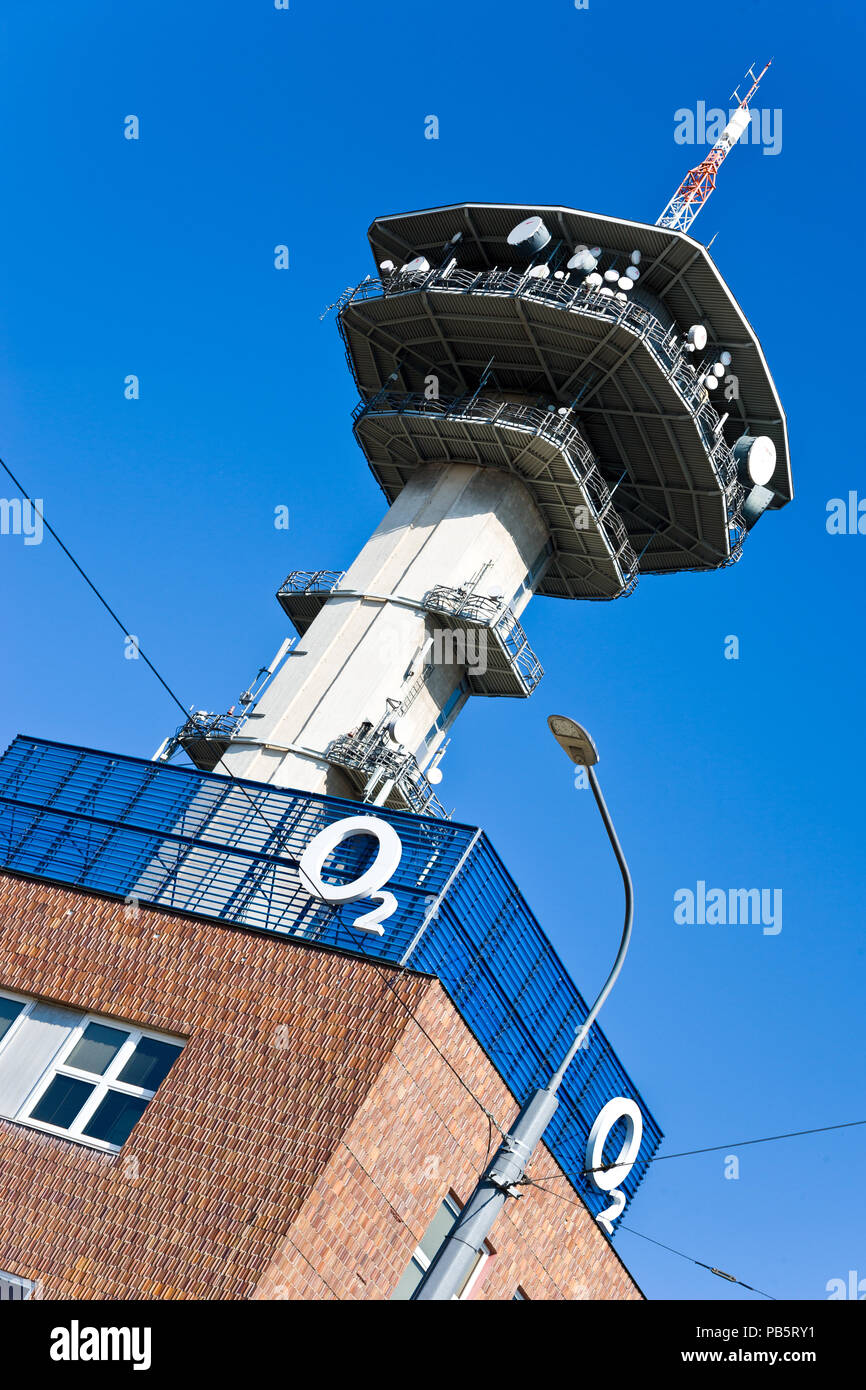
380, 674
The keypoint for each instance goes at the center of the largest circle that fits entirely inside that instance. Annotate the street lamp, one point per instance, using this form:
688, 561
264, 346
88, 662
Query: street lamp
456, 1256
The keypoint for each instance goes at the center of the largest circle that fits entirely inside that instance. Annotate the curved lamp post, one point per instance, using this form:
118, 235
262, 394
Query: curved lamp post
456, 1256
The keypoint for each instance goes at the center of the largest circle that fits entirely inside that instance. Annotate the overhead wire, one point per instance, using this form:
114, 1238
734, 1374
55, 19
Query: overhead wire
492, 1121
239, 784
713, 1148
712, 1268
720, 1273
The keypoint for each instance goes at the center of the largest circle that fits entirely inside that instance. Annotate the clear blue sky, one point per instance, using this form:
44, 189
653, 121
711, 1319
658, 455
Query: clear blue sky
156, 258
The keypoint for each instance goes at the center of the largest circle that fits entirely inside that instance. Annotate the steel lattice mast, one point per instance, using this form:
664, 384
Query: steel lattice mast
699, 182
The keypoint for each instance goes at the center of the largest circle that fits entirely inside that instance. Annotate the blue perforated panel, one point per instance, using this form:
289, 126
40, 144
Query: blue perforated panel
226, 849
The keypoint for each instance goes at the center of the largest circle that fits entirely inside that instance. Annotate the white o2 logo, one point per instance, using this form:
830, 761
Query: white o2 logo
369, 885
608, 1179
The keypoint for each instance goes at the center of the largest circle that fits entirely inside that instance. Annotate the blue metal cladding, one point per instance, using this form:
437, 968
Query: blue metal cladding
229, 849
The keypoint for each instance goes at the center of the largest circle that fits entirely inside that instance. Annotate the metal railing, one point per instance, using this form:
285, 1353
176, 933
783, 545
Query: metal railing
213, 725
311, 582
220, 728
492, 613
665, 345
371, 755
559, 430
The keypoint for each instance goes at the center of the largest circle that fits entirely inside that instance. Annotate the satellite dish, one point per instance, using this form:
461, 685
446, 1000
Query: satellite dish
718, 370
539, 272
582, 260
396, 730
434, 776
619, 295
611, 275
756, 457
563, 410
529, 236
417, 266
697, 334
635, 258
593, 280
624, 283
606, 291
711, 383
595, 251
725, 359
633, 273
386, 265
559, 275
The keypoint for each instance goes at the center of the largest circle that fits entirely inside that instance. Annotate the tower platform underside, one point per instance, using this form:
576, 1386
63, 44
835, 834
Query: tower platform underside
675, 270
483, 316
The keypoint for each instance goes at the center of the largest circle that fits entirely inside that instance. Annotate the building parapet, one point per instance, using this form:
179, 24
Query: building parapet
229, 850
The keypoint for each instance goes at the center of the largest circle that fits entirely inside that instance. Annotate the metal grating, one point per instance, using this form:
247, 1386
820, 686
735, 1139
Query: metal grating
227, 849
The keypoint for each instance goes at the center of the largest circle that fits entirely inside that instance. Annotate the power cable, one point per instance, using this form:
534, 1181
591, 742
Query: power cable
256, 808
392, 985
720, 1273
714, 1148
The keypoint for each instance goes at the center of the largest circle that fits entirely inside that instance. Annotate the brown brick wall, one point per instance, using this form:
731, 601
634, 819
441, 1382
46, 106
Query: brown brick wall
417, 1136
262, 1171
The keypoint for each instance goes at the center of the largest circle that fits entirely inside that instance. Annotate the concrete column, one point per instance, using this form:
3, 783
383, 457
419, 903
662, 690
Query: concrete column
367, 646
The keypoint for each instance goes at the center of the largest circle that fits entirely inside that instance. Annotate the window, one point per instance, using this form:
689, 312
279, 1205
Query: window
13, 1287
85, 1077
450, 710
533, 574
432, 1240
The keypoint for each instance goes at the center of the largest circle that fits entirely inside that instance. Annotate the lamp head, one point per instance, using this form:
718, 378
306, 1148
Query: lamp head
574, 739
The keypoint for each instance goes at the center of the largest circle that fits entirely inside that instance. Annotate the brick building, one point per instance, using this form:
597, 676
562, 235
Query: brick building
300, 1145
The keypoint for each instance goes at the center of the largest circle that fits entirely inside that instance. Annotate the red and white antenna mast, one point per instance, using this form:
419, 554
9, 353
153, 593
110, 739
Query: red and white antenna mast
699, 182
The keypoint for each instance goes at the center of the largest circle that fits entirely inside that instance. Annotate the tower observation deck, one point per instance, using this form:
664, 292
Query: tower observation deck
554, 403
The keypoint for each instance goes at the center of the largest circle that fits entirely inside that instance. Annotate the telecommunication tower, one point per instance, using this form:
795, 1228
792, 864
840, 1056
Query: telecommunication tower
554, 403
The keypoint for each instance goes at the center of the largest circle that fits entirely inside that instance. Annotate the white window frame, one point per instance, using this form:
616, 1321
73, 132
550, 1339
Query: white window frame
28, 1287
102, 1085
423, 1263
29, 1005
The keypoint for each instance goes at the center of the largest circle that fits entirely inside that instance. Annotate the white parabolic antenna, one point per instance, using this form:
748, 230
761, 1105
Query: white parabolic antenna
757, 456
529, 236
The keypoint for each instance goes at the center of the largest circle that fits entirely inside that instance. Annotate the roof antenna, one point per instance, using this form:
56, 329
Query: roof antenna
699, 182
